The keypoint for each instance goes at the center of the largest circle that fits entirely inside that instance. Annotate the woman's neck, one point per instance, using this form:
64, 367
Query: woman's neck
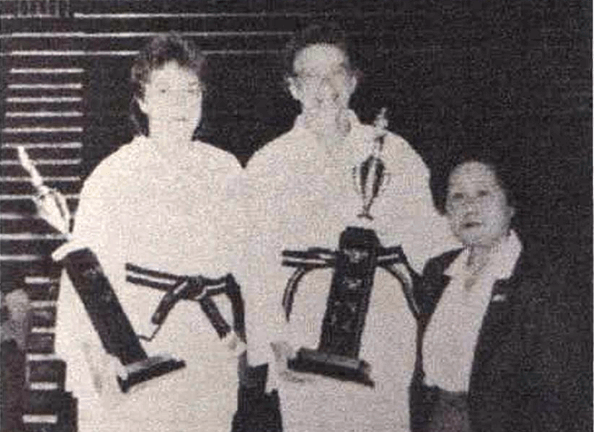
480, 255
170, 148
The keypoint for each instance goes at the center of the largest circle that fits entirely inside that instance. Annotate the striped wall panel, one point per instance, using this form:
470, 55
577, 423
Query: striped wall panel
51, 134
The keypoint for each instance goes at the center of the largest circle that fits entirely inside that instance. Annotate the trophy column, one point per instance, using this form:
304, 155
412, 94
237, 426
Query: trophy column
348, 300
111, 323
346, 309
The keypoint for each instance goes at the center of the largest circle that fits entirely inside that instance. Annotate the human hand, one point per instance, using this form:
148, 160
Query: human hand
283, 352
52, 208
104, 370
234, 344
402, 272
71, 245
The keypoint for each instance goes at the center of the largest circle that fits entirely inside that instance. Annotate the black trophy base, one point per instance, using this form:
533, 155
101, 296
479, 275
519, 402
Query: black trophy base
332, 365
147, 369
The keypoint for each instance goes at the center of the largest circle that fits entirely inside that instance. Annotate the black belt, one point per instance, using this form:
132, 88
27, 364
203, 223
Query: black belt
193, 288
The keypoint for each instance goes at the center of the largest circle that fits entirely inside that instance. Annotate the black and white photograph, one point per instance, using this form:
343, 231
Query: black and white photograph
296, 216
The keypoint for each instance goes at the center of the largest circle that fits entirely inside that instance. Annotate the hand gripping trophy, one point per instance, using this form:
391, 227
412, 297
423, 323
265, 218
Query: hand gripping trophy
359, 254
100, 301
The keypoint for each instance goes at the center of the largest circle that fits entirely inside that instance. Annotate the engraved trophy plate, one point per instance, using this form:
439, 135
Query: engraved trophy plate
360, 252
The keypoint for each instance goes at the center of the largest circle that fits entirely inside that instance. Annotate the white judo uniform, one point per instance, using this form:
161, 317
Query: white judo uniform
303, 195
176, 216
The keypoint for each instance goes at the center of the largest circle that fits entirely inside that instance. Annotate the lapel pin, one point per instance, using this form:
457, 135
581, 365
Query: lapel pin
498, 298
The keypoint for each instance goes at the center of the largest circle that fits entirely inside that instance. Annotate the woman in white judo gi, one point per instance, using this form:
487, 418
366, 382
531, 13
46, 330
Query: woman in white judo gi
160, 207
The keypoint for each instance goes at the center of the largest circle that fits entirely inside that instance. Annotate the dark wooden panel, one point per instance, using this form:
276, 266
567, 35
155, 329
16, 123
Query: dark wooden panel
54, 170
44, 401
47, 92
157, 23
43, 136
50, 60
221, 6
47, 371
43, 106
23, 224
40, 343
209, 41
43, 317
40, 77
42, 121
25, 187
41, 153
43, 291
41, 247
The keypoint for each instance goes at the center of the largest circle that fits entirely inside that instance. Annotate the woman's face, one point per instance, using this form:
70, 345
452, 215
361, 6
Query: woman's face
477, 206
172, 102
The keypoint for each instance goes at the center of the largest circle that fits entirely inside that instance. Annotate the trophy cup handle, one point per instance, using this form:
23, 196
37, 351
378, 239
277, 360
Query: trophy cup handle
291, 289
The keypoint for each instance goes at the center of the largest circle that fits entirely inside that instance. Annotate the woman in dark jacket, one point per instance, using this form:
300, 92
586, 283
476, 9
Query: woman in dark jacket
495, 349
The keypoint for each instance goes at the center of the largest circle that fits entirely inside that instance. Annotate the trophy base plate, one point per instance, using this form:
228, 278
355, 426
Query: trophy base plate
332, 365
147, 369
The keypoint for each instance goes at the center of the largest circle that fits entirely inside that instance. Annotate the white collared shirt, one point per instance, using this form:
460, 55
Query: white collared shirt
452, 333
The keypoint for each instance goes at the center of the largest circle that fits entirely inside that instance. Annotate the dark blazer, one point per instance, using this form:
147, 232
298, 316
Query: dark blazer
527, 357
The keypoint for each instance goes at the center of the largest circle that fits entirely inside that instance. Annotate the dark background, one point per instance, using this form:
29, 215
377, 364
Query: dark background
513, 77
510, 77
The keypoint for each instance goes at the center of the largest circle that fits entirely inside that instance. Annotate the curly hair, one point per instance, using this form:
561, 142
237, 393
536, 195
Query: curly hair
319, 33
159, 51
440, 177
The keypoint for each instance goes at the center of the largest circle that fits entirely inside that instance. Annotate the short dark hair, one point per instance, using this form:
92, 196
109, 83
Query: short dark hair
318, 33
159, 51
440, 177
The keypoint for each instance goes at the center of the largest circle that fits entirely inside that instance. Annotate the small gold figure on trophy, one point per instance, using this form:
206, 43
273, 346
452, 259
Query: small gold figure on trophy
371, 177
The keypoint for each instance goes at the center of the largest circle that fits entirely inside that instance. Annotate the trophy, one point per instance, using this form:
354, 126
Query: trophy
94, 289
354, 264
371, 177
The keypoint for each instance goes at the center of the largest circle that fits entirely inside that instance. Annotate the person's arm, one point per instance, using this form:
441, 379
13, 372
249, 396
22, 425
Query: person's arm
415, 223
91, 372
256, 271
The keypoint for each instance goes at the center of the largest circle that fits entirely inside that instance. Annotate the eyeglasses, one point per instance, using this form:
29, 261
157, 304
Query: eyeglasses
337, 76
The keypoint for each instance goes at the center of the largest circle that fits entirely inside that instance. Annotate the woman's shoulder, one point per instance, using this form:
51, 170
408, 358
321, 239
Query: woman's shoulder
437, 265
118, 170
215, 157
125, 158
541, 263
282, 152
429, 287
